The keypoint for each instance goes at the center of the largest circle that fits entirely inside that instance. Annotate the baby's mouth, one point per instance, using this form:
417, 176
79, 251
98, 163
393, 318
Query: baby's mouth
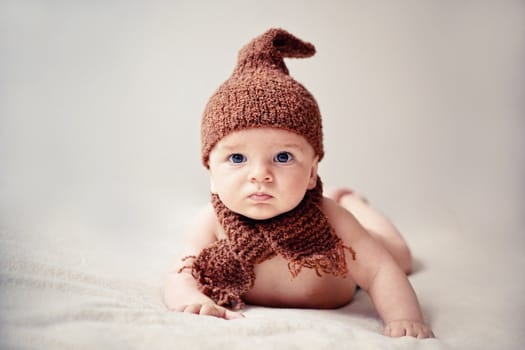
260, 197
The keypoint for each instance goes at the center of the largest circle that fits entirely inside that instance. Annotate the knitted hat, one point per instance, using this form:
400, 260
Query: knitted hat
261, 93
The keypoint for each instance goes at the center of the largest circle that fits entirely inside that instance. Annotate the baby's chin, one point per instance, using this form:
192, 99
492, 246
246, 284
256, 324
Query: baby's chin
259, 217
261, 214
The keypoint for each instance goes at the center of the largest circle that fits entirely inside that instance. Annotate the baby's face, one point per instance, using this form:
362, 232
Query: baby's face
262, 172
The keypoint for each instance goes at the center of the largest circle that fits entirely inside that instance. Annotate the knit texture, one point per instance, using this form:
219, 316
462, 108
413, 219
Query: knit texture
224, 271
261, 93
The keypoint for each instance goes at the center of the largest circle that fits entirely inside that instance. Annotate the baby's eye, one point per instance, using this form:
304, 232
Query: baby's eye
283, 157
237, 158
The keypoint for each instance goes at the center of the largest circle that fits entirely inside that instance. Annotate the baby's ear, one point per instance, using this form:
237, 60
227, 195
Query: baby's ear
312, 182
212, 186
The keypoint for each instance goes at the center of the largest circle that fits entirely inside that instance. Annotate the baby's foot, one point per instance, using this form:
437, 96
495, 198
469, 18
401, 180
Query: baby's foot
337, 195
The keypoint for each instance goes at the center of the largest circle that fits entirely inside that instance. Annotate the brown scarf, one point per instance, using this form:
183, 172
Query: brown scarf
225, 270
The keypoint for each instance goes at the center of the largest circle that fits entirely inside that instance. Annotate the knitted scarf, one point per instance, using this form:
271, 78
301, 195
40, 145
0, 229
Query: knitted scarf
224, 270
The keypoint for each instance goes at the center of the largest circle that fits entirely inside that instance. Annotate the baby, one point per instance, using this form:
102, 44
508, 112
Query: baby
269, 236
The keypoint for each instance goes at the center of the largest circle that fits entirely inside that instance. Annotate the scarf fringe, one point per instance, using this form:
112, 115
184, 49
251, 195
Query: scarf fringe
223, 297
333, 263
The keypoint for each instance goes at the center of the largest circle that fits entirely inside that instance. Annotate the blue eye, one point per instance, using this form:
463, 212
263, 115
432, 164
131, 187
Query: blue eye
237, 158
283, 157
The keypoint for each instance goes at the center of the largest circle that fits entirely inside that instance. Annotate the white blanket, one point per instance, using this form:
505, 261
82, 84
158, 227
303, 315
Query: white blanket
86, 290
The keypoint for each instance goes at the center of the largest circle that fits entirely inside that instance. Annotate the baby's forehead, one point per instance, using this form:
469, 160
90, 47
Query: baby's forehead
263, 139
264, 136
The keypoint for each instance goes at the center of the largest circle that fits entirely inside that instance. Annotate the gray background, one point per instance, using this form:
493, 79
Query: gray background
100, 103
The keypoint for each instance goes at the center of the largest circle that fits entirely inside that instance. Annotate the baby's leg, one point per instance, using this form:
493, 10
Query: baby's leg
377, 224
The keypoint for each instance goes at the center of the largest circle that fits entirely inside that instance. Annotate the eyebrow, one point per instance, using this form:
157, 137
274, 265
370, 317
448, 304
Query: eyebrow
292, 145
229, 147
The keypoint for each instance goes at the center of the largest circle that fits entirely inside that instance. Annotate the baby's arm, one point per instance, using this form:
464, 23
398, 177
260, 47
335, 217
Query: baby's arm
375, 271
180, 290
396, 301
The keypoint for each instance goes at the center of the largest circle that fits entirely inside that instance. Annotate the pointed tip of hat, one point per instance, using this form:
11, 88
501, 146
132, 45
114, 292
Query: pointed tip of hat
268, 50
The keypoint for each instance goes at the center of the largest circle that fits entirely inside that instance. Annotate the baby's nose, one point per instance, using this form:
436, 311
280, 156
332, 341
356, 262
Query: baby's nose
261, 173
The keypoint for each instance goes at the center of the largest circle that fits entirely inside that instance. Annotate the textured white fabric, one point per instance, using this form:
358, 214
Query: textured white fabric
62, 292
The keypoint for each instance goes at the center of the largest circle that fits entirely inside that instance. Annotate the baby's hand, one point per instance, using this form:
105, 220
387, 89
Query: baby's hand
209, 309
405, 327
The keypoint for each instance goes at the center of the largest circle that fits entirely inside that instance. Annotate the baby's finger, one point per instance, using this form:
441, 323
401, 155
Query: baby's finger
395, 331
219, 311
420, 331
179, 308
193, 308
232, 315
412, 330
425, 333
212, 310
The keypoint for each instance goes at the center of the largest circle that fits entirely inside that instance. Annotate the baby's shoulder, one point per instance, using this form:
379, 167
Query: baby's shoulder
332, 209
343, 222
205, 222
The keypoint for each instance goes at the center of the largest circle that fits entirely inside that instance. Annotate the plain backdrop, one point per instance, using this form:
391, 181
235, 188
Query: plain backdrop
100, 105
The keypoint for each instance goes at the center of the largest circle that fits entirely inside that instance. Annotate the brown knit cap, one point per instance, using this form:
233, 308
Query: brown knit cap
261, 93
